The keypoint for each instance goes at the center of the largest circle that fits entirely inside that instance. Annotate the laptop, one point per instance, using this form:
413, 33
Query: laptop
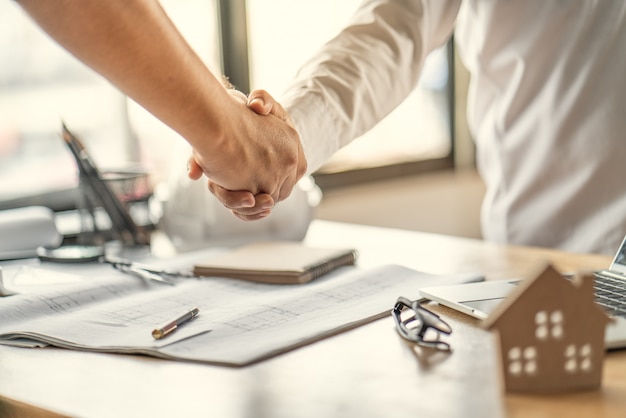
480, 299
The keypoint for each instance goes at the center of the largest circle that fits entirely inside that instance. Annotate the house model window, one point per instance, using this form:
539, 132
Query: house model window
522, 361
578, 359
551, 334
549, 325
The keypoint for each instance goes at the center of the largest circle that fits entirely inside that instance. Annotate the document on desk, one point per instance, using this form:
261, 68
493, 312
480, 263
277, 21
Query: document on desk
239, 323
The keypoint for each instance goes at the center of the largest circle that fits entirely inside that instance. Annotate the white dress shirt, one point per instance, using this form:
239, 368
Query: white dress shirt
546, 106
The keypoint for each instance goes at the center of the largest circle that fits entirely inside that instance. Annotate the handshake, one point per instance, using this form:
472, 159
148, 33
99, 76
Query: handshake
255, 160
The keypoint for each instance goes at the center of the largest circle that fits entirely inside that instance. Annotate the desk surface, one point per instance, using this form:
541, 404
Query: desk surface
367, 372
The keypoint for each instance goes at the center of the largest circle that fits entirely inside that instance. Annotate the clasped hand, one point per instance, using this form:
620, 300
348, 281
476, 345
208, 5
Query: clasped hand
261, 159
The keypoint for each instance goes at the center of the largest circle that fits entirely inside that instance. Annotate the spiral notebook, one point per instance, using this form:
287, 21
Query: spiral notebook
277, 262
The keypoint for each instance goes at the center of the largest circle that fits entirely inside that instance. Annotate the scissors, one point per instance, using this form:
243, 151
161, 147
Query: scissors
146, 272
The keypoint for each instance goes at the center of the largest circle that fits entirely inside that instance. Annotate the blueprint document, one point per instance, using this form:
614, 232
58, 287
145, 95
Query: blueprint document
239, 323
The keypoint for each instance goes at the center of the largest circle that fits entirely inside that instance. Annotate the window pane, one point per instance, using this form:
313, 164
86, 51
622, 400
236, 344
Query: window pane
40, 86
284, 34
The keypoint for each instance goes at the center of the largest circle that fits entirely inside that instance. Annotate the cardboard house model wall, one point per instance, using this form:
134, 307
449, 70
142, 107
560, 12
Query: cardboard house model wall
550, 334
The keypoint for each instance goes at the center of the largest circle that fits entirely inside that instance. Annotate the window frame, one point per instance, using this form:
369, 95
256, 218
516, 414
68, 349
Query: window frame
233, 39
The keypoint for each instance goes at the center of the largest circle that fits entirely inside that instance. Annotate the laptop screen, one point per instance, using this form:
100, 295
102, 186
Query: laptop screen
619, 262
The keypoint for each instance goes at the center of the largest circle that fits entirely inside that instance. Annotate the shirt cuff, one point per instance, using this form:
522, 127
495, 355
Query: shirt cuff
316, 125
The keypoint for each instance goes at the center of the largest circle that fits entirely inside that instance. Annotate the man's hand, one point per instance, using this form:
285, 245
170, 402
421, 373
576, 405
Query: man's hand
251, 205
137, 47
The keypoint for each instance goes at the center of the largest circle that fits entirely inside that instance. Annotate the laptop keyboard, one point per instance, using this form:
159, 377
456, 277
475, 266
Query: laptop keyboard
610, 292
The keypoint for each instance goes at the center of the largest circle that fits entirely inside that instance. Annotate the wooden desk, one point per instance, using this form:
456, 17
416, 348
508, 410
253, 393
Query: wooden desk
366, 372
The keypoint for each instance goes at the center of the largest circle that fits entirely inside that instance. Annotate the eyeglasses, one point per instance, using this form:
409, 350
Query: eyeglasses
413, 321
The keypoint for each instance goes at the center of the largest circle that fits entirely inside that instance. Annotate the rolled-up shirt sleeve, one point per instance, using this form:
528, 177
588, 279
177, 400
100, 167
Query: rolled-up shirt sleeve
362, 74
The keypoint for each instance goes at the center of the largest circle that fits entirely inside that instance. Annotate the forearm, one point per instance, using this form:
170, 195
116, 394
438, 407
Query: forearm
365, 72
134, 45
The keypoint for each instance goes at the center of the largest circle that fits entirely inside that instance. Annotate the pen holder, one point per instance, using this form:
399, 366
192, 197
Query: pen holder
130, 185
131, 188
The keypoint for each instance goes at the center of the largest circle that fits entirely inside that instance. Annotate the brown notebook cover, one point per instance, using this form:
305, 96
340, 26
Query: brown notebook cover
277, 262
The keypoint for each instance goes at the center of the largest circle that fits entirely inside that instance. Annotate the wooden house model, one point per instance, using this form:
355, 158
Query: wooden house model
550, 334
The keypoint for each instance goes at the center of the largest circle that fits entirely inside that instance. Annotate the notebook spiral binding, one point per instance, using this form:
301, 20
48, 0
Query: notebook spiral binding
318, 270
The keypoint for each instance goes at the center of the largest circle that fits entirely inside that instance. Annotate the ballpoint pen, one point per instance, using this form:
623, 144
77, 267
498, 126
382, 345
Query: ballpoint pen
169, 327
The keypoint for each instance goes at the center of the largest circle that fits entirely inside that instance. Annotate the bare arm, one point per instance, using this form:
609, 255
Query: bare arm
134, 44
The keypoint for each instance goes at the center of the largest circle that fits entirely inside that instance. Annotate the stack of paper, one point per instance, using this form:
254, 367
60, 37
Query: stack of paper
240, 322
